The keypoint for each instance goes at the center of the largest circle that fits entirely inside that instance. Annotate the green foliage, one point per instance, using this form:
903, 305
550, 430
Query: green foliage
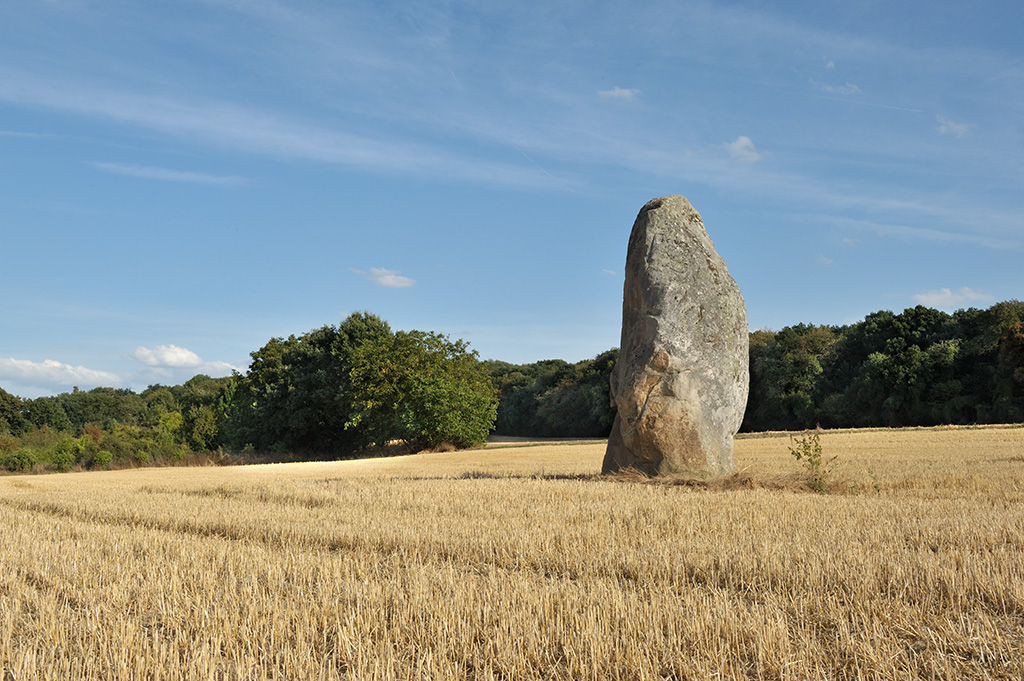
875, 484
101, 459
11, 418
297, 393
785, 368
423, 389
67, 453
123, 428
817, 470
47, 412
19, 461
553, 398
336, 390
202, 408
41, 439
921, 367
102, 406
168, 426
8, 443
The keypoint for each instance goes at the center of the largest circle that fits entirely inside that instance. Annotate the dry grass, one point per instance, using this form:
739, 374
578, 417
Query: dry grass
518, 562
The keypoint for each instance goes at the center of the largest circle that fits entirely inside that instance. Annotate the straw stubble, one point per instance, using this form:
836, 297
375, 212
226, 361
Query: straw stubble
519, 562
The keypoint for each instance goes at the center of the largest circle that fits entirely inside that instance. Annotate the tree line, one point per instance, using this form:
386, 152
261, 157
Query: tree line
332, 392
922, 367
339, 391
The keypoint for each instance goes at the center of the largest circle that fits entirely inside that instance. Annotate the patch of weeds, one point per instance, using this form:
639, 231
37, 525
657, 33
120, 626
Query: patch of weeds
858, 487
874, 481
817, 469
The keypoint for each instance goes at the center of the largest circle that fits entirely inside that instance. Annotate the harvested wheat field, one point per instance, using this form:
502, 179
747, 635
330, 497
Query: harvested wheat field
518, 562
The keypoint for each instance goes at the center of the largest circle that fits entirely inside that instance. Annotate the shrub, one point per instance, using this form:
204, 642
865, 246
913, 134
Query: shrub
66, 453
102, 459
817, 469
20, 460
8, 443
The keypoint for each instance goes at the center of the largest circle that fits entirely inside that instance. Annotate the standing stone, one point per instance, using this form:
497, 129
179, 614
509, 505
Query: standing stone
680, 383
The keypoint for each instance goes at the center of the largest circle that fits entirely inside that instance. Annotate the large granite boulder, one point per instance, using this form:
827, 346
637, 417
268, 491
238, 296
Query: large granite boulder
680, 384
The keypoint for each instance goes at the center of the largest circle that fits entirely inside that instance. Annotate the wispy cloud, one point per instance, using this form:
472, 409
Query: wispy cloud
618, 93
50, 372
166, 174
912, 233
386, 278
29, 135
945, 298
847, 88
257, 131
948, 127
743, 150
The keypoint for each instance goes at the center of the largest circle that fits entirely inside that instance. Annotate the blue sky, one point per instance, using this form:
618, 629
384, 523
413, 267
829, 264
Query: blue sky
182, 181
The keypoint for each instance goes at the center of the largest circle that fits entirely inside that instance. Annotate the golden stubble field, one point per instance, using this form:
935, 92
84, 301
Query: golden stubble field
518, 562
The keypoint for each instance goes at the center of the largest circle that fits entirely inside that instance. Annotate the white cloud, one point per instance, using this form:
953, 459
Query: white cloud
171, 364
618, 93
386, 278
610, 273
51, 372
219, 368
830, 64
743, 150
824, 260
167, 356
166, 174
946, 298
948, 127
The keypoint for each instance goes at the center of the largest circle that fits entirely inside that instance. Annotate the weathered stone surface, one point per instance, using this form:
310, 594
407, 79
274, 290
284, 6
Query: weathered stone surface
680, 384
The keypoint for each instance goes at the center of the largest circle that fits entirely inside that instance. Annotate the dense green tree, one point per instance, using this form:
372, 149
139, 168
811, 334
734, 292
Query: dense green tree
553, 398
919, 367
47, 411
158, 399
11, 418
200, 403
423, 389
336, 390
102, 406
785, 370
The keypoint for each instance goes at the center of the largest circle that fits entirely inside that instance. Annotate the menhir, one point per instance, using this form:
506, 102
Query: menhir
680, 384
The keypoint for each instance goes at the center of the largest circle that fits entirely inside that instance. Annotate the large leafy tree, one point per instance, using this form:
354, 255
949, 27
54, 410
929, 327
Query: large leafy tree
103, 407
202, 408
11, 418
44, 412
336, 390
296, 395
423, 389
785, 369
